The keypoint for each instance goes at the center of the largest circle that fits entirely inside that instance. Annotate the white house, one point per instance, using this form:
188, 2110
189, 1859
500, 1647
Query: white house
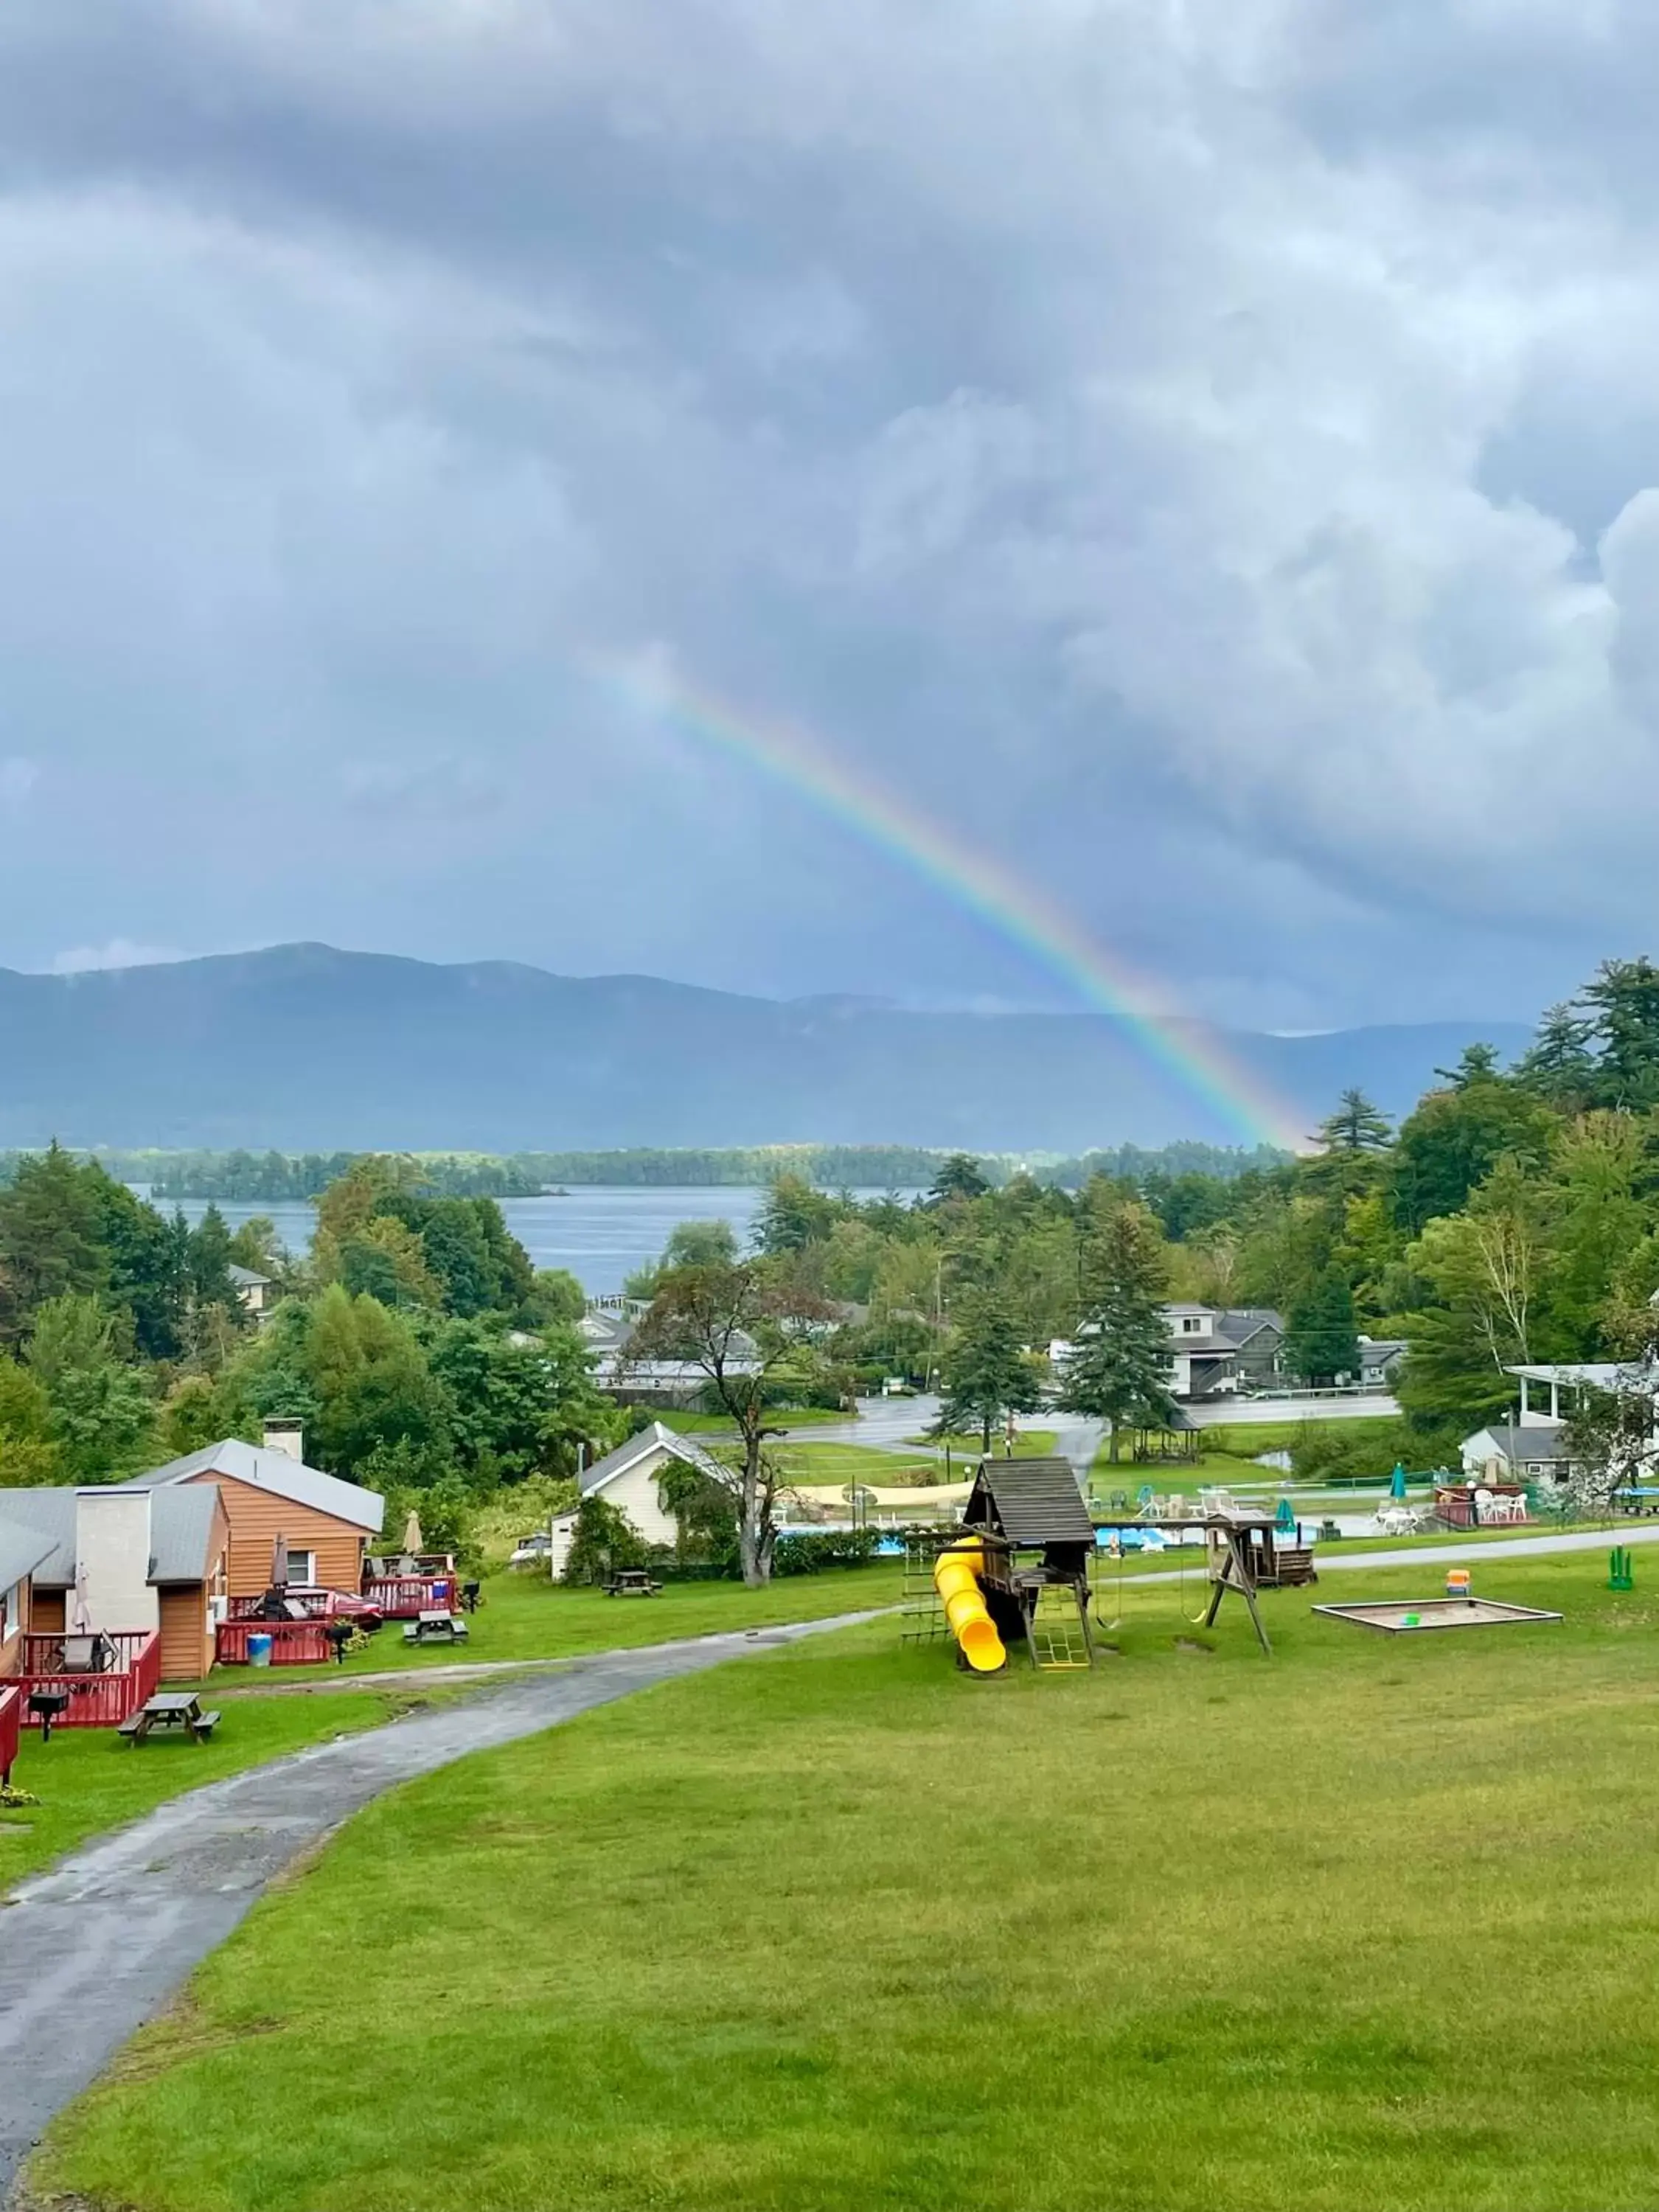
256, 1291
1531, 1452
627, 1479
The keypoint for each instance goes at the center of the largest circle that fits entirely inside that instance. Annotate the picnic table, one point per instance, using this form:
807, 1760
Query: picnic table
170, 1709
436, 1628
1637, 1497
631, 1582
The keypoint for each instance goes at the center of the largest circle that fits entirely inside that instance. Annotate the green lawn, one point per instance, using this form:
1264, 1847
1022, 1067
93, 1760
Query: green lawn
527, 1616
1367, 1924
88, 1780
1228, 1451
863, 1464
970, 1443
719, 1425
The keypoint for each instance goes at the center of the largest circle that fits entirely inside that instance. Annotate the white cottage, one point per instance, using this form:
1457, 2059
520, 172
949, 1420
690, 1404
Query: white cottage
627, 1479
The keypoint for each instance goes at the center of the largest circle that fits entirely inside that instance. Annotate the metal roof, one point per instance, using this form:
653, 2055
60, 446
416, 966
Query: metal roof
245, 1279
51, 1515
22, 1550
1535, 1440
638, 1446
278, 1473
1031, 1501
180, 1530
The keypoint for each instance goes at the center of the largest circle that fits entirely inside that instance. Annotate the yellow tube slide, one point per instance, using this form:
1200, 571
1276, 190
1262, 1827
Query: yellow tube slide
956, 1577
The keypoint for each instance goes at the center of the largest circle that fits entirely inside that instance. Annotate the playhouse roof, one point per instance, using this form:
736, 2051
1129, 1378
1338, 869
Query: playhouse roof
1030, 1501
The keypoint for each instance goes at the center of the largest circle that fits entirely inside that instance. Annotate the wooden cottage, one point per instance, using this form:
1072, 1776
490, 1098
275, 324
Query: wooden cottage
268, 1493
123, 1562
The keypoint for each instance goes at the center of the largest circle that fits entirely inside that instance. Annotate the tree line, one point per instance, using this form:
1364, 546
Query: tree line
271, 1177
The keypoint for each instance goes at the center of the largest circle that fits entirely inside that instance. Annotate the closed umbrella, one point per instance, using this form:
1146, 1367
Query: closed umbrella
412, 1531
80, 1621
1397, 1480
279, 1563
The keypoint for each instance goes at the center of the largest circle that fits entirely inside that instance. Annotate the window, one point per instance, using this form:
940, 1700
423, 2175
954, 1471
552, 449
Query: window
301, 1567
1191, 1325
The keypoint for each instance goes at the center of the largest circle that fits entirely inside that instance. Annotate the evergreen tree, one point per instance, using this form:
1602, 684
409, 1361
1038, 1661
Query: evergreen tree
1559, 1066
1356, 1126
959, 1177
1478, 1063
986, 1370
1120, 1370
1624, 1004
49, 1242
1321, 1342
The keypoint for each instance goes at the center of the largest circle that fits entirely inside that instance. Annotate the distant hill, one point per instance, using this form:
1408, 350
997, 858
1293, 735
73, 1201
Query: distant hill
303, 1048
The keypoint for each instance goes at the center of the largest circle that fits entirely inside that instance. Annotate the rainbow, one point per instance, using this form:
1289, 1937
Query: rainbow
980, 885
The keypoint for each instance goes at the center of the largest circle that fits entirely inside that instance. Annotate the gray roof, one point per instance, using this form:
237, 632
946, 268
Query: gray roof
245, 1279
1535, 1440
278, 1473
180, 1528
51, 1515
655, 1437
1031, 1501
1242, 1322
22, 1550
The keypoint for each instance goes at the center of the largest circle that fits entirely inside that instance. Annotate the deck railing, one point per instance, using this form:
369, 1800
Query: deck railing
293, 1643
102, 1700
11, 1722
314, 1602
406, 1597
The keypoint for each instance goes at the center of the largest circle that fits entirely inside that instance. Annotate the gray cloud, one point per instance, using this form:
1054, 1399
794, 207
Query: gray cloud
1207, 456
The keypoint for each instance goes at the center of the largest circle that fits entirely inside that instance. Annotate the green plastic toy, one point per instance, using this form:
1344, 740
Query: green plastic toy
1621, 1569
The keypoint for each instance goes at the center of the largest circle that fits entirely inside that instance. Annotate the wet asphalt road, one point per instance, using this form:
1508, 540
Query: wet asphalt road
96, 1945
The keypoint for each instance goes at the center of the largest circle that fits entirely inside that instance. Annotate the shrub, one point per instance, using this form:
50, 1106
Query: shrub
810, 1552
604, 1541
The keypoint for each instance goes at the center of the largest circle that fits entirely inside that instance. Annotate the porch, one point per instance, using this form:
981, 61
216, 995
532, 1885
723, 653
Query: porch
403, 1588
11, 1724
104, 1677
293, 1643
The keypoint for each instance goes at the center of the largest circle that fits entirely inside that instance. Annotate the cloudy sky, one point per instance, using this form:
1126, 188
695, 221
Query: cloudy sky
1202, 453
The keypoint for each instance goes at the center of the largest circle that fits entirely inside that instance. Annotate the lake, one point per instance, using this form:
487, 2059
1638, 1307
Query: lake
600, 1232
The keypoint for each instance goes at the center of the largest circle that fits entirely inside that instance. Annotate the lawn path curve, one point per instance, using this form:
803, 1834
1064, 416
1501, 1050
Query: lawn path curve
96, 1945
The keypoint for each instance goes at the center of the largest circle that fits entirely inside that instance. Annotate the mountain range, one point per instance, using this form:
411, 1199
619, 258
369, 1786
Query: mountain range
305, 1048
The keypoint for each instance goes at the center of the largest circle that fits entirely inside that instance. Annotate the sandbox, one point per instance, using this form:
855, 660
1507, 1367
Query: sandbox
1397, 1616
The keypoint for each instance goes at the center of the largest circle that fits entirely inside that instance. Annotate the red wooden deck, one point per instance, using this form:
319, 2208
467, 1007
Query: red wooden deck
11, 1722
95, 1700
406, 1597
293, 1643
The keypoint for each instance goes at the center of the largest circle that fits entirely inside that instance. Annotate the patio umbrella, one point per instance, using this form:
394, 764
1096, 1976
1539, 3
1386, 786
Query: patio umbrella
279, 1563
412, 1531
80, 1619
1397, 1480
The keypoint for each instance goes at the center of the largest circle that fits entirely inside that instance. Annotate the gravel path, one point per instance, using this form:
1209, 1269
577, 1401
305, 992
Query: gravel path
94, 1947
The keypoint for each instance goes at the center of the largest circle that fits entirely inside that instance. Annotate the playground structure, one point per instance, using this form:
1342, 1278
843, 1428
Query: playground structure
1019, 1569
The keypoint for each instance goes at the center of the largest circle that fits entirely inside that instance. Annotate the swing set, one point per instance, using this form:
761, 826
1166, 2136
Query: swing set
1240, 1554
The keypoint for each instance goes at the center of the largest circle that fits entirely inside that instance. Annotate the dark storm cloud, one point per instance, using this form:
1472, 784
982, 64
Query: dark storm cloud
1204, 453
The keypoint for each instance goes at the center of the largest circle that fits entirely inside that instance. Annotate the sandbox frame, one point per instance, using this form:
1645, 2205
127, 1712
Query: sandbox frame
1387, 1615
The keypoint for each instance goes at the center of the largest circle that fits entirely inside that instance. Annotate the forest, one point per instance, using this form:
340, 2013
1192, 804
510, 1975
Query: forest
1513, 1215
